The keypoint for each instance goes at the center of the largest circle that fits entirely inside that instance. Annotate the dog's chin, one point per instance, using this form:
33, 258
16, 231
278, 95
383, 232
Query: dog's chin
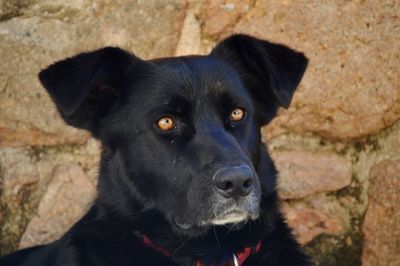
235, 216
190, 229
232, 220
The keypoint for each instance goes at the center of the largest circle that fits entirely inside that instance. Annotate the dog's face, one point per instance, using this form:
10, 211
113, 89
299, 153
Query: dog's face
191, 142
183, 133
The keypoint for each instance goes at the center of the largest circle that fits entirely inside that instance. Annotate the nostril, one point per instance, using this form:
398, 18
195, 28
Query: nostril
248, 183
228, 185
225, 185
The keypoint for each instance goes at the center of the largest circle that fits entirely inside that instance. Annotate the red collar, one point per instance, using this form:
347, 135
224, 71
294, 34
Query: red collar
237, 259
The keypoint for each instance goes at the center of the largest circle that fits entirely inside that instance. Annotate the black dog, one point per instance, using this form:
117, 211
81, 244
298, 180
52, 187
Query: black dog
184, 178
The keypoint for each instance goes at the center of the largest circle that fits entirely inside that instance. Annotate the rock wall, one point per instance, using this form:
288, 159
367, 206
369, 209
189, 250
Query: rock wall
337, 147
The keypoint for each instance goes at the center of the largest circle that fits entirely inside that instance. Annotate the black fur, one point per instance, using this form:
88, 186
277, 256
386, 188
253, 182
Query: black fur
160, 183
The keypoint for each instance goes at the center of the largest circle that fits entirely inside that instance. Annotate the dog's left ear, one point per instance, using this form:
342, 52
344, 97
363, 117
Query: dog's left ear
271, 71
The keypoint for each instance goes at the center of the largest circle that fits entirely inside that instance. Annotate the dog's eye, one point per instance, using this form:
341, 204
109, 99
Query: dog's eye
166, 123
237, 114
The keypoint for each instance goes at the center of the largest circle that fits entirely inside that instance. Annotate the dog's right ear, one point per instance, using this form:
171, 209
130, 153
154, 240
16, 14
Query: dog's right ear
85, 87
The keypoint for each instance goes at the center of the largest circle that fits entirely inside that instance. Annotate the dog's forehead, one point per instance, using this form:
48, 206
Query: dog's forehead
197, 77
190, 84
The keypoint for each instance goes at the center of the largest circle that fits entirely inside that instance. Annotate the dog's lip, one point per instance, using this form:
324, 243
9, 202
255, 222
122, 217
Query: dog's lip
244, 216
232, 216
232, 211
210, 222
183, 226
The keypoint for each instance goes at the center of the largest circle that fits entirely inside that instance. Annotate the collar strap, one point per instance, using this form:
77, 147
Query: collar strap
237, 259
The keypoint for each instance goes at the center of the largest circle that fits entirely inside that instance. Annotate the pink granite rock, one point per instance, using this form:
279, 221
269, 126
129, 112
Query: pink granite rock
303, 173
66, 199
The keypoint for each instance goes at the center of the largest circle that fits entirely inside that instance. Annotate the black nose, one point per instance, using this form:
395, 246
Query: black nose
234, 182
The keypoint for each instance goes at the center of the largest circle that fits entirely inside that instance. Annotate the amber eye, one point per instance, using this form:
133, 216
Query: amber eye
237, 114
166, 123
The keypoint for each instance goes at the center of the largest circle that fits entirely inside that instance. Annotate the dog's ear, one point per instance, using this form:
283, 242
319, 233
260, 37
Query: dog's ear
85, 87
271, 71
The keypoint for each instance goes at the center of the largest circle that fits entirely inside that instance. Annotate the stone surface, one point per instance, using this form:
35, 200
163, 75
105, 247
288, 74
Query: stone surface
304, 173
18, 181
309, 223
44, 31
190, 37
24, 177
351, 88
219, 17
12, 8
382, 221
66, 199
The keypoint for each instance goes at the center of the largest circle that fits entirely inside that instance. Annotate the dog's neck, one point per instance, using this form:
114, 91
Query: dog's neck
132, 216
217, 244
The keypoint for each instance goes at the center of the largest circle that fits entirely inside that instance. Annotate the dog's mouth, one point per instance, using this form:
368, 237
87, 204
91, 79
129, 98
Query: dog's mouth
233, 219
225, 213
233, 216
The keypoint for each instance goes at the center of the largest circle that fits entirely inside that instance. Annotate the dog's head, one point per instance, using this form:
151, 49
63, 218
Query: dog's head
182, 134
